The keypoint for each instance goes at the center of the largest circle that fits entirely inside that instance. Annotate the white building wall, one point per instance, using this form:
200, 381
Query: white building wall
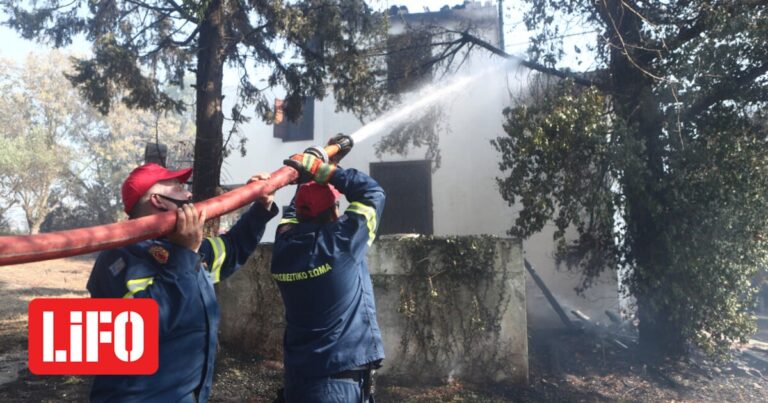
465, 196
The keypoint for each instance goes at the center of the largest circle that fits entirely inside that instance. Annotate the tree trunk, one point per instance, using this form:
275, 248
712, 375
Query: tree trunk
643, 186
34, 221
35, 228
660, 336
209, 118
36, 211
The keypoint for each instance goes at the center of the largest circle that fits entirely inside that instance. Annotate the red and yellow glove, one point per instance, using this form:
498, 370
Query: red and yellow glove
310, 168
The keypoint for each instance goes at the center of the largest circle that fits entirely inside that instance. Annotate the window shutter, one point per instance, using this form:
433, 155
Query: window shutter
280, 129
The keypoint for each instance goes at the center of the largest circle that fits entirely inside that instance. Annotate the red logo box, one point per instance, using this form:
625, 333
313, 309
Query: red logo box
93, 336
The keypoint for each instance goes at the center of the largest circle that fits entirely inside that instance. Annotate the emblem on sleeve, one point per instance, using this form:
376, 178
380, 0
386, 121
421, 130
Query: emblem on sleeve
159, 253
117, 267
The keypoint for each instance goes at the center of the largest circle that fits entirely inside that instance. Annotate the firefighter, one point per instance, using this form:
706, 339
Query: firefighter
178, 272
332, 341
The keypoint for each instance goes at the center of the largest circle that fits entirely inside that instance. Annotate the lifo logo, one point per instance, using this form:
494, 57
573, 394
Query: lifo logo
93, 336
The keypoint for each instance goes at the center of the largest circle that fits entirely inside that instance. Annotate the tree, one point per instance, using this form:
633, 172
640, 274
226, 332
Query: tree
109, 151
7, 120
63, 163
40, 111
658, 158
309, 45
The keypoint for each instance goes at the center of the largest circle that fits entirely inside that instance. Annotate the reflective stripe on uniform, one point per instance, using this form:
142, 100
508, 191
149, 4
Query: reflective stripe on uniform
370, 216
219, 253
289, 221
137, 285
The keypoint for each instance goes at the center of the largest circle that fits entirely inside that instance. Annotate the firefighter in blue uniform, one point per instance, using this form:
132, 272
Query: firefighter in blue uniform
332, 340
178, 272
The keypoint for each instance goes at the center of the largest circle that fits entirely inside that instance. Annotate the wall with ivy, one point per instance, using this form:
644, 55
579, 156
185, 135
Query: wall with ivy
448, 307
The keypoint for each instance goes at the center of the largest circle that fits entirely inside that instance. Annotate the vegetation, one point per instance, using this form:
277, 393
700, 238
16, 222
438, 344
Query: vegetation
658, 157
63, 162
306, 46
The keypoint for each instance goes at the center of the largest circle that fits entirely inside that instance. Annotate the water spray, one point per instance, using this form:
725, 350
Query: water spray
423, 101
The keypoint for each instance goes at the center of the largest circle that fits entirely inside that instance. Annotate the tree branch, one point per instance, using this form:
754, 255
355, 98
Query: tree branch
161, 10
182, 11
577, 78
725, 90
247, 31
168, 40
687, 33
147, 27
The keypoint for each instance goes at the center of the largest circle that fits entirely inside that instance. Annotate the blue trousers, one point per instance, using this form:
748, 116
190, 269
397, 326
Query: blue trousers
322, 390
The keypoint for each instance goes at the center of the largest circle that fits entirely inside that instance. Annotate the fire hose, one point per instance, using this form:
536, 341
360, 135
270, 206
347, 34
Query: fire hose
60, 244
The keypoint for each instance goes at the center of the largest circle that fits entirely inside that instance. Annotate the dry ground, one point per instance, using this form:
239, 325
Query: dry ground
564, 367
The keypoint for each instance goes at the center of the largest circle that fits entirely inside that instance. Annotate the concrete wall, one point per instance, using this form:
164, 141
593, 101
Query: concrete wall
447, 307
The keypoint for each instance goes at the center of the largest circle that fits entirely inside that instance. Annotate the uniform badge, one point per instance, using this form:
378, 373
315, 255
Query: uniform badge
117, 267
159, 253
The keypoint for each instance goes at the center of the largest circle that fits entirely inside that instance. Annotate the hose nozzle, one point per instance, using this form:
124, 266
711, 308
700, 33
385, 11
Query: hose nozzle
339, 146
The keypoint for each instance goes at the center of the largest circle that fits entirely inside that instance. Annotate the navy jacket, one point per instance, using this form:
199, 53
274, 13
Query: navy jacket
189, 313
325, 285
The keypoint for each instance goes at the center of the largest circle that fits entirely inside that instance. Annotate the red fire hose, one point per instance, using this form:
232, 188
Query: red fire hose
54, 245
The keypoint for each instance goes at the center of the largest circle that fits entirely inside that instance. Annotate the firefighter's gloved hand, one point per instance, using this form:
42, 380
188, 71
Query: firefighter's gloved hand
310, 168
345, 144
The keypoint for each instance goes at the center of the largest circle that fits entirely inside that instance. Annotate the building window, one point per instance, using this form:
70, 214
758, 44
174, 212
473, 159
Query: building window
302, 129
408, 186
408, 61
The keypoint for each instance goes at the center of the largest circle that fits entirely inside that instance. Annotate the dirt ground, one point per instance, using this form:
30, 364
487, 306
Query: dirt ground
564, 367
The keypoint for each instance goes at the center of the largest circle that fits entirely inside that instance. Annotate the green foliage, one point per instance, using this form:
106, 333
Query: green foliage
659, 165
35, 156
718, 218
114, 70
558, 155
35, 165
63, 163
110, 150
142, 49
307, 46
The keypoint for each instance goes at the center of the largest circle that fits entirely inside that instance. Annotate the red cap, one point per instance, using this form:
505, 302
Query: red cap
144, 177
314, 198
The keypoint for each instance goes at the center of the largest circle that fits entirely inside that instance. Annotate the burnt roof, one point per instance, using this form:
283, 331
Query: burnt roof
468, 11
